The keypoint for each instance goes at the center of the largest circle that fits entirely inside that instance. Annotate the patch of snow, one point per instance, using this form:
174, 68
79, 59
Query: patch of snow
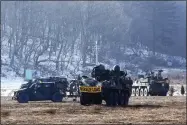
13, 83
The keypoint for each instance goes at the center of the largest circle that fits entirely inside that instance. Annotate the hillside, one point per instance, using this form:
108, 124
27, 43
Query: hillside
132, 63
58, 38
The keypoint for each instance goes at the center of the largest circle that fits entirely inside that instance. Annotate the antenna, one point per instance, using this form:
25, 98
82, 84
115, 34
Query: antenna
96, 53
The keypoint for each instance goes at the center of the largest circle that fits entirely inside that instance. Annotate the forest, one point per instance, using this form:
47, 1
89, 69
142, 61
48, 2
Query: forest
59, 36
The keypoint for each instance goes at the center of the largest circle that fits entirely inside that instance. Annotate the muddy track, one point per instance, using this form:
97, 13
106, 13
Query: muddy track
141, 110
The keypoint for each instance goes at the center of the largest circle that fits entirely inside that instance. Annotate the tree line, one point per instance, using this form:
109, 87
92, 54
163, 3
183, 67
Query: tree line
38, 32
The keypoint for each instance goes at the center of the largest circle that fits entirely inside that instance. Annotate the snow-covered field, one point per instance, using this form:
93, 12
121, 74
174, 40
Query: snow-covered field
9, 85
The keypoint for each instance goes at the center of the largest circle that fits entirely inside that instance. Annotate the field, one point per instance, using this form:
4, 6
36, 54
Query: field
141, 110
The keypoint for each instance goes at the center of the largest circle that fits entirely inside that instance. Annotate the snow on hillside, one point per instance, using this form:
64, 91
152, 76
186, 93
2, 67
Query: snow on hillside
73, 64
144, 52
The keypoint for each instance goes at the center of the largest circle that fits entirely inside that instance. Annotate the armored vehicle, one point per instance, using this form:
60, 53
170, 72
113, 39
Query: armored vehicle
90, 91
47, 79
117, 93
25, 85
105, 85
151, 85
52, 79
41, 90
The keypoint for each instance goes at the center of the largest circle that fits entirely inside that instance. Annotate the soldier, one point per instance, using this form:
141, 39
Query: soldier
73, 87
147, 74
182, 90
159, 76
117, 73
152, 75
171, 91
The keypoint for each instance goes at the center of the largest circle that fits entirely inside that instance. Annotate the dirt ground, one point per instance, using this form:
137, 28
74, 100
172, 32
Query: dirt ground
141, 110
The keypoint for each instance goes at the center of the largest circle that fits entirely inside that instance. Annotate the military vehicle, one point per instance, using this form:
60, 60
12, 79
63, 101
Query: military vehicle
117, 93
151, 85
90, 91
112, 92
39, 90
46, 79
25, 85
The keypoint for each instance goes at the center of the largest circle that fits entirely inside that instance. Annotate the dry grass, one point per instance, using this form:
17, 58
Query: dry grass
5, 113
96, 110
70, 110
141, 110
50, 111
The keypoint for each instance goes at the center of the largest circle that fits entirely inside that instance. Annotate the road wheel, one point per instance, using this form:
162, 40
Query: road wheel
84, 99
137, 92
121, 98
114, 96
57, 97
126, 102
133, 92
145, 92
107, 96
162, 94
124, 98
141, 92
165, 94
153, 94
23, 98
98, 99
